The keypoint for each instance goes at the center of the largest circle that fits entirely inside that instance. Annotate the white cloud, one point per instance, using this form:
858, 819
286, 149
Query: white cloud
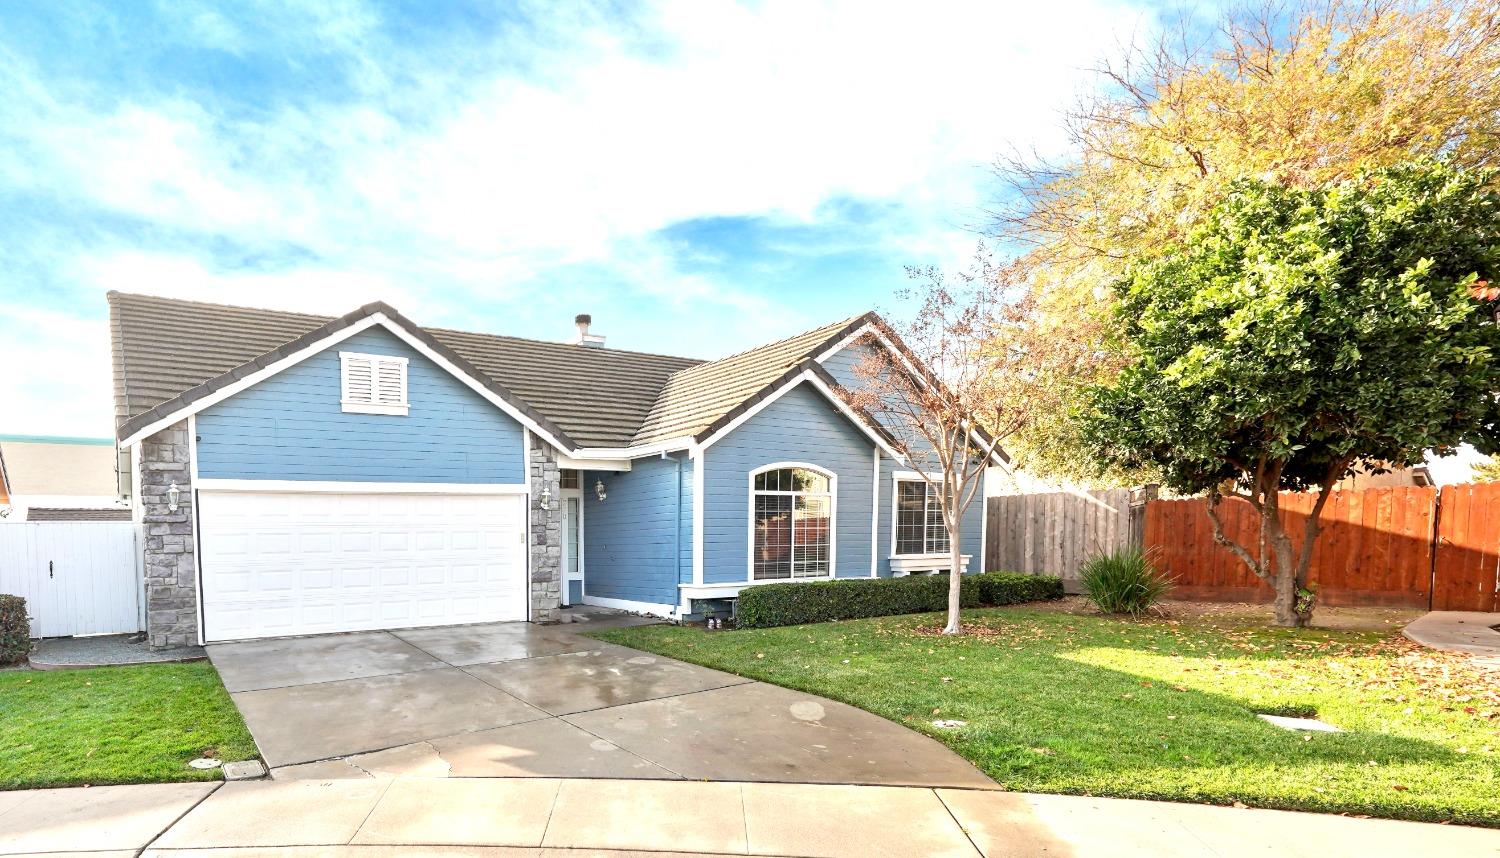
441, 183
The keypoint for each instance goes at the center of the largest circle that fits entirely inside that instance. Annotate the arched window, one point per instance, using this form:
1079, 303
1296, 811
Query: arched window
791, 522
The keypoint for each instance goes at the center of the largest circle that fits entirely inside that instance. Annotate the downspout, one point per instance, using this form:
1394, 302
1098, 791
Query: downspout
677, 522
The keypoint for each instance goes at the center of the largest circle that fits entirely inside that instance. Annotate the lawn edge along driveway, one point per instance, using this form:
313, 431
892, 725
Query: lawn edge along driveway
116, 725
1161, 708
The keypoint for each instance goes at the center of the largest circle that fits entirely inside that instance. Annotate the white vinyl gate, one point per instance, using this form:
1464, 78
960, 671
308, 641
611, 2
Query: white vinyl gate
78, 577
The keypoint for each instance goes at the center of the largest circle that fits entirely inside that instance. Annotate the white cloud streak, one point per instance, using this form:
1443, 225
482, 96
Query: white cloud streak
441, 184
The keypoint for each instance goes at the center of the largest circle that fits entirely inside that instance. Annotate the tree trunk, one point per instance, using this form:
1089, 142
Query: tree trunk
955, 585
1287, 571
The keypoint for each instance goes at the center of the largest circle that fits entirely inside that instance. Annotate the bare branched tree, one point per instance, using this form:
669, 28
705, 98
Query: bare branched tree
951, 384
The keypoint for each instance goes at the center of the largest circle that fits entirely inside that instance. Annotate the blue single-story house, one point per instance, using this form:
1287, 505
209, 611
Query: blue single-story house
296, 474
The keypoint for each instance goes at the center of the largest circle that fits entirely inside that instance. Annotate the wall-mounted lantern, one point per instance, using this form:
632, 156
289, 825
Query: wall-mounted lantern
599, 489
546, 498
174, 494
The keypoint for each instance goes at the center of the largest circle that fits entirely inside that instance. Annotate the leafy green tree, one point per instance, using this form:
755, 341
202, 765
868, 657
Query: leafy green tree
1297, 332
1304, 92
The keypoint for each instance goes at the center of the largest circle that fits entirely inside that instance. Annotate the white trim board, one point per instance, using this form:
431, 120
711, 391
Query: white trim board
653, 608
340, 487
812, 378
326, 343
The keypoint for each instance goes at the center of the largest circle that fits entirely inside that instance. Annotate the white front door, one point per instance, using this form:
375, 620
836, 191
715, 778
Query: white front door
572, 547
297, 563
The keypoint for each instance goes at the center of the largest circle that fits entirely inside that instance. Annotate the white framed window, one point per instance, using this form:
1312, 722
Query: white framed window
919, 519
791, 522
372, 384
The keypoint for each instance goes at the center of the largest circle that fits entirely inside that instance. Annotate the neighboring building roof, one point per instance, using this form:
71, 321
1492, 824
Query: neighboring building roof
695, 399
58, 467
60, 439
169, 353
43, 513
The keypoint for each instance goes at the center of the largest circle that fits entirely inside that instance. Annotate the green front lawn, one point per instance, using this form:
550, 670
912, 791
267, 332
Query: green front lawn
112, 725
1158, 708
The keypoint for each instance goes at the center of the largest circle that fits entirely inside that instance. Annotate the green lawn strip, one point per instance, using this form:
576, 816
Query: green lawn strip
1153, 708
113, 725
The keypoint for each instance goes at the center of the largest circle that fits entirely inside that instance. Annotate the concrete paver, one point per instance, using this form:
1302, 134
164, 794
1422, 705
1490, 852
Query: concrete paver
1470, 632
253, 665
759, 732
828, 821
597, 678
277, 813
302, 723
95, 818
646, 815
484, 812
484, 644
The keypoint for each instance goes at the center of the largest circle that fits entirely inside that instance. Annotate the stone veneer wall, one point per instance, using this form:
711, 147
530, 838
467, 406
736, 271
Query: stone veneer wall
171, 564
545, 541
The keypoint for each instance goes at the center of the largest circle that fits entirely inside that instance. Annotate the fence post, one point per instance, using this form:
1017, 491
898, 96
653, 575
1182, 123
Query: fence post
1138, 500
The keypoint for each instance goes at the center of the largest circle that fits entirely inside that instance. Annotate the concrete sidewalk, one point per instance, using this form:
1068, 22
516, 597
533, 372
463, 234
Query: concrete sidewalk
1470, 632
553, 817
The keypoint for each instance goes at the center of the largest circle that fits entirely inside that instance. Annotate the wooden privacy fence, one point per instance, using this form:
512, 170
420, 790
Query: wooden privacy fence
1054, 533
1400, 546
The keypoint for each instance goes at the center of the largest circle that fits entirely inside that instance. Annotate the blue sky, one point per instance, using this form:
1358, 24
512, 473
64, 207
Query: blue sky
700, 176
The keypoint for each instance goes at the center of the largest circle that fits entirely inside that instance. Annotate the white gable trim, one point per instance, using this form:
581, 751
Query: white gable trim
911, 369
324, 344
812, 378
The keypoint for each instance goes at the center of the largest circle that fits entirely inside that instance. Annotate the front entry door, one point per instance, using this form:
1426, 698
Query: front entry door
572, 546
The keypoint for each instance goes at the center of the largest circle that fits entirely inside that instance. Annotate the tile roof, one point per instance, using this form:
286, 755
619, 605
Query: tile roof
696, 398
169, 352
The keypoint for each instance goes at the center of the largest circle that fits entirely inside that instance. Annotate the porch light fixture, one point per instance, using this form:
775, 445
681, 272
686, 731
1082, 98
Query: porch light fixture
599, 489
173, 495
546, 498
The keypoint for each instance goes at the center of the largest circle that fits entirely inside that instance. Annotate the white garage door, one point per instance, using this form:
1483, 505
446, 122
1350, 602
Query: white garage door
301, 563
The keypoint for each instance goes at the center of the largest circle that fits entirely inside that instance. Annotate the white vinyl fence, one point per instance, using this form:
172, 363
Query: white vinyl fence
78, 577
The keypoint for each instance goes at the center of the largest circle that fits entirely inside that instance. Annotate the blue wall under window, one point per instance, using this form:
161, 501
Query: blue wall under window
638, 541
292, 427
801, 426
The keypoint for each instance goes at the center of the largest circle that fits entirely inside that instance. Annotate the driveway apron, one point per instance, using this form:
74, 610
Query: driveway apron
520, 700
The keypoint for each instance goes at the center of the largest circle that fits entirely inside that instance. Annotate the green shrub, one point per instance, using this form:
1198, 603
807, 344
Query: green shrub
1123, 582
796, 602
1011, 588
15, 630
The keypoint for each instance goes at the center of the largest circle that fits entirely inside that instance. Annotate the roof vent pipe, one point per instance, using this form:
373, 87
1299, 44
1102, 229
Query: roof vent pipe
593, 341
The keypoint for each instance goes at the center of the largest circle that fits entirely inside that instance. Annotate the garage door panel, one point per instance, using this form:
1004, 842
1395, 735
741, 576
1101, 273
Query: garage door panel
294, 563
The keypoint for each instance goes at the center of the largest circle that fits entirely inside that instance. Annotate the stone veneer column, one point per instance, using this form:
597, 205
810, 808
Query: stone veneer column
171, 567
545, 539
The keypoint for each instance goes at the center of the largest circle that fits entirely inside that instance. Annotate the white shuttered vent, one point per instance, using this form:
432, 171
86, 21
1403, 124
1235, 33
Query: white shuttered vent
373, 384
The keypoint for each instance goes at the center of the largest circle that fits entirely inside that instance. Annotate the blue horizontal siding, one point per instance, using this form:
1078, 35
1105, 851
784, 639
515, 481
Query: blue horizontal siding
801, 426
635, 540
292, 426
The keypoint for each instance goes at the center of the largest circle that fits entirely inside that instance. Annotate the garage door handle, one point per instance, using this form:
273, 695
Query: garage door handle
49, 568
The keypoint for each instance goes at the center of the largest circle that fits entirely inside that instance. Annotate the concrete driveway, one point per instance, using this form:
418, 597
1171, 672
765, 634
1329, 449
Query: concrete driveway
519, 700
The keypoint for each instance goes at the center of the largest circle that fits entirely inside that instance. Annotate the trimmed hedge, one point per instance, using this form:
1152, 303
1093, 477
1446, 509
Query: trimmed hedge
796, 602
15, 630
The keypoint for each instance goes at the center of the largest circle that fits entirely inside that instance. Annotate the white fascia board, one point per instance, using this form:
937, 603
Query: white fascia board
578, 463
211, 484
910, 368
328, 342
671, 445
253, 379
469, 380
812, 378
653, 608
845, 342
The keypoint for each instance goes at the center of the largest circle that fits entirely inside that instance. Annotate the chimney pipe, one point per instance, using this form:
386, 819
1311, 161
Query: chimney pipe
586, 339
